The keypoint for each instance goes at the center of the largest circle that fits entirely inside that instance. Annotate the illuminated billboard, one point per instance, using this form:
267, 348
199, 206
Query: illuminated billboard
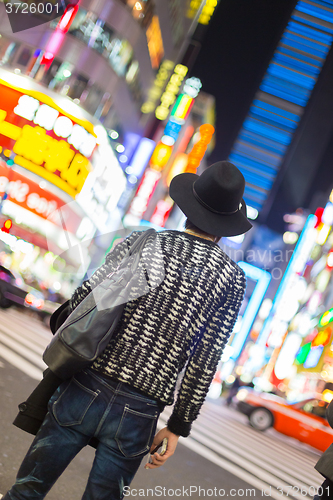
52, 137
44, 139
206, 12
31, 196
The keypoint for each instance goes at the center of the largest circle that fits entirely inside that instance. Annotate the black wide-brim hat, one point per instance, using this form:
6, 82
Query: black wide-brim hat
213, 201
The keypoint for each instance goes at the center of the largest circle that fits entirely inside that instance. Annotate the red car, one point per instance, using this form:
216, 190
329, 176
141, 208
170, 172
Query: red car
304, 420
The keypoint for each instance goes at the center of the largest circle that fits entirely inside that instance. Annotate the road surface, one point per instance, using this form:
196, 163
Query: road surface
223, 457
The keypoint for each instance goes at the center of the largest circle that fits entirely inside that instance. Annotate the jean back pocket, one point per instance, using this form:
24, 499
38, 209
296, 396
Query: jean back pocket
73, 403
135, 432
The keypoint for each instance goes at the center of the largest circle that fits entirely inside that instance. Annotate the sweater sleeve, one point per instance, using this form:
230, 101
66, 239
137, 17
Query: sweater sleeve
203, 361
112, 261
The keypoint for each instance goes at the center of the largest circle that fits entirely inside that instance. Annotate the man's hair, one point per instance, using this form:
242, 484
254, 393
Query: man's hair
192, 227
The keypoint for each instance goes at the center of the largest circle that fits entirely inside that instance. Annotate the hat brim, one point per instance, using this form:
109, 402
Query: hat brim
181, 191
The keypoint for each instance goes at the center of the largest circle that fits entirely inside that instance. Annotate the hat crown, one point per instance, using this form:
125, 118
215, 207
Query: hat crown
213, 201
220, 187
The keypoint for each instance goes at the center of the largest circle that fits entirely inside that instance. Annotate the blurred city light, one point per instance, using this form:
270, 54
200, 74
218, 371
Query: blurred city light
263, 279
114, 135
251, 212
290, 237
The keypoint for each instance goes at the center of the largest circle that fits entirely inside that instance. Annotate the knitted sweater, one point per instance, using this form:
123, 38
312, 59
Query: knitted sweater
185, 320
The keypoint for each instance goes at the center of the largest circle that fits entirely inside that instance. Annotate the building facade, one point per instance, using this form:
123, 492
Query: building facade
271, 130
78, 94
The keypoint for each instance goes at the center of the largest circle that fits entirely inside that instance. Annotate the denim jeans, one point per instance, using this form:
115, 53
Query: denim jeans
123, 420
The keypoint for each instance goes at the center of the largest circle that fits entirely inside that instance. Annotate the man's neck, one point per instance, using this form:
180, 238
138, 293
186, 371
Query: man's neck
210, 238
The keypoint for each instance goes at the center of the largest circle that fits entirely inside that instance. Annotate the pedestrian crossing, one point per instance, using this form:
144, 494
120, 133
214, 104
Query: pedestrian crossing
22, 342
277, 466
272, 463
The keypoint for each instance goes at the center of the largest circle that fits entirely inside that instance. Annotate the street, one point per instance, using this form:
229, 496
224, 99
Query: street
222, 457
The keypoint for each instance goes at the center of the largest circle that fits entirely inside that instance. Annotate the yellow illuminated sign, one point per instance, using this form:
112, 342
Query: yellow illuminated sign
160, 156
327, 396
178, 167
323, 230
33, 147
156, 91
169, 95
8, 129
58, 143
206, 13
52, 103
155, 42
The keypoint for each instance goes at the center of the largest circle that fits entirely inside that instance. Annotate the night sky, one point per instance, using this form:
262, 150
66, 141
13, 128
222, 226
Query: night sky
236, 50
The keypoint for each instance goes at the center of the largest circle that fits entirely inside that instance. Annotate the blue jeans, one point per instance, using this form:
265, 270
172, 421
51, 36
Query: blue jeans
123, 420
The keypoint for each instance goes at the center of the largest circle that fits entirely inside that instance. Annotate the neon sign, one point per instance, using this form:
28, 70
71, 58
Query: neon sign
192, 86
156, 91
162, 211
53, 145
29, 195
57, 38
182, 163
294, 269
48, 118
155, 42
199, 148
169, 95
326, 318
141, 156
322, 338
171, 131
181, 110
206, 13
263, 279
178, 167
67, 18
103, 187
163, 149
183, 106
144, 193
160, 156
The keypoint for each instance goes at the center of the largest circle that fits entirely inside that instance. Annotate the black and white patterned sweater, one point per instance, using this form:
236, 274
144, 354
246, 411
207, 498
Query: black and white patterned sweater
184, 321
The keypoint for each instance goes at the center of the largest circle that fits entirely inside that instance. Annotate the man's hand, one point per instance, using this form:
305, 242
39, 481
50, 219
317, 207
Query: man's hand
157, 459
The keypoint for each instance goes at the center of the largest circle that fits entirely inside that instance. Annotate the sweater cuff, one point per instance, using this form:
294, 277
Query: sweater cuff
178, 426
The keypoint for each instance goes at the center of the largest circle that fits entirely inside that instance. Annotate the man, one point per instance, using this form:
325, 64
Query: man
183, 322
